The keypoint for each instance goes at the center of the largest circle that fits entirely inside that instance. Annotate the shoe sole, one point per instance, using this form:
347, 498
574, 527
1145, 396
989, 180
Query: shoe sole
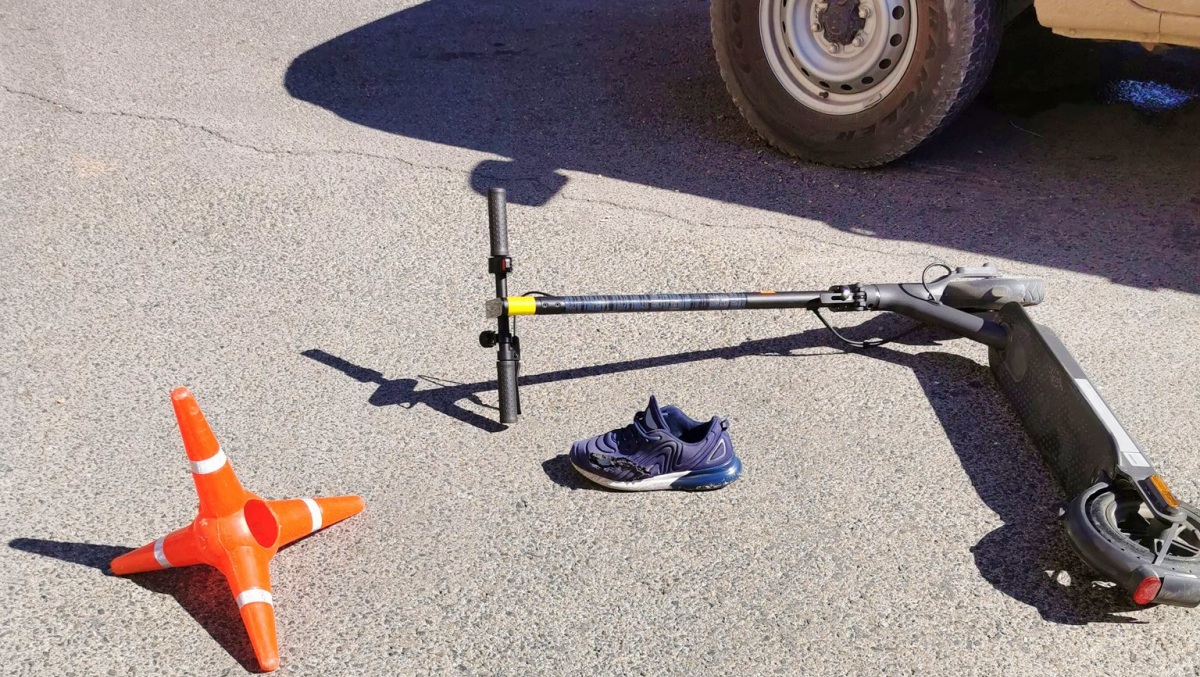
700, 480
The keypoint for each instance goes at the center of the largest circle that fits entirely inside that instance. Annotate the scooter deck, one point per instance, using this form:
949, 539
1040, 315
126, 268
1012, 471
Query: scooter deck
1076, 432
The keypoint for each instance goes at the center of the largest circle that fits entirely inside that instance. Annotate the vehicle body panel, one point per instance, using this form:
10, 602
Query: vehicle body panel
1174, 22
1185, 7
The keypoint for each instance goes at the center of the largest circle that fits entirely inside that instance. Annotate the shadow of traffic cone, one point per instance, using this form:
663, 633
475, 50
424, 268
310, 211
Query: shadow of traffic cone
235, 531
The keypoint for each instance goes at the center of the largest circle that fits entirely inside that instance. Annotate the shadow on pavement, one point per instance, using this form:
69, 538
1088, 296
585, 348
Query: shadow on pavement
629, 89
445, 397
200, 590
559, 470
1028, 558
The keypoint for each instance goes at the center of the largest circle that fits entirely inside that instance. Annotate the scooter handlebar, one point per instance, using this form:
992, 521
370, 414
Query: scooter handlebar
992, 293
498, 221
510, 403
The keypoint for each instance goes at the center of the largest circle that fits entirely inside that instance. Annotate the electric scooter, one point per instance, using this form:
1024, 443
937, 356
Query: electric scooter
1121, 519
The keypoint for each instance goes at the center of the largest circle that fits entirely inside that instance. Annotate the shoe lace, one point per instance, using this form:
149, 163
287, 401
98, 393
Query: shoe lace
623, 436
629, 433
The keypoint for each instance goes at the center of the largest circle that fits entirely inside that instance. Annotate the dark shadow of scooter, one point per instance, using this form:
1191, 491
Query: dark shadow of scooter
1028, 558
446, 396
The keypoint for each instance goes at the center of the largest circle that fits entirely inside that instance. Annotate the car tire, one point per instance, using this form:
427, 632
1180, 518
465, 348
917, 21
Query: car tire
813, 92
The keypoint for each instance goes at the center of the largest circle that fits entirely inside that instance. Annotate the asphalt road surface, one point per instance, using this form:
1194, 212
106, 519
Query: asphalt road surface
280, 206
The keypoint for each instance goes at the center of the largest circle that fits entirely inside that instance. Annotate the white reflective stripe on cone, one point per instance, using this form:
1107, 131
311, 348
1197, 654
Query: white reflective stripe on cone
315, 511
253, 595
160, 556
209, 465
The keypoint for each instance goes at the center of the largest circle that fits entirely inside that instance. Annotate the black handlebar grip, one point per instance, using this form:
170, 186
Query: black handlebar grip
498, 221
993, 293
510, 405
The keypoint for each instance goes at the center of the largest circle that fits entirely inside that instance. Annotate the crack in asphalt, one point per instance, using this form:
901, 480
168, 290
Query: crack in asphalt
220, 136
214, 133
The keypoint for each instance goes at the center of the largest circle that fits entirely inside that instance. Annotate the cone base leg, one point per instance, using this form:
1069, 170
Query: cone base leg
176, 549
299, 517
259, 618
249, 580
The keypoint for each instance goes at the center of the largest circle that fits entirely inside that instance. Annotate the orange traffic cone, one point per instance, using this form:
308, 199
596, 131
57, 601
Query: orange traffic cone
236, 531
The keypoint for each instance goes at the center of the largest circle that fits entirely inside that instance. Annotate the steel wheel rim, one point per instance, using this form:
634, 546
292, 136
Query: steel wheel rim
834, 78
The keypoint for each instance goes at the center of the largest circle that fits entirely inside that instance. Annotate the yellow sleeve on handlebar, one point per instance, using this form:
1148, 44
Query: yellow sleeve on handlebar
521, 305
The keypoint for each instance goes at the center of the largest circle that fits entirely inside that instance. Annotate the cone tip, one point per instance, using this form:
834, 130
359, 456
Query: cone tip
180, 393
337, 508
116, 567
351, 505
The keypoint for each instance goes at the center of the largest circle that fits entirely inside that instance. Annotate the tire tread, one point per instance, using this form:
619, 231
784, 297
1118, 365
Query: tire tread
960, 83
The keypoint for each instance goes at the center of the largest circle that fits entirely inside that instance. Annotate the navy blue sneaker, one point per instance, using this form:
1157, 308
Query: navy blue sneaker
661, 449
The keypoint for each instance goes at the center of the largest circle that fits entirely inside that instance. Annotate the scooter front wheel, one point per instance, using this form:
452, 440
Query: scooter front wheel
1116, 534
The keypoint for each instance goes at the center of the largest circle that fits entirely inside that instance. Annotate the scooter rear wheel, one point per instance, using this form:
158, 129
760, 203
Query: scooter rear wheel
1116, 533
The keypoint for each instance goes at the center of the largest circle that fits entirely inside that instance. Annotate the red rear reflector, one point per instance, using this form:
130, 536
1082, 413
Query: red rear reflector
1147, 590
